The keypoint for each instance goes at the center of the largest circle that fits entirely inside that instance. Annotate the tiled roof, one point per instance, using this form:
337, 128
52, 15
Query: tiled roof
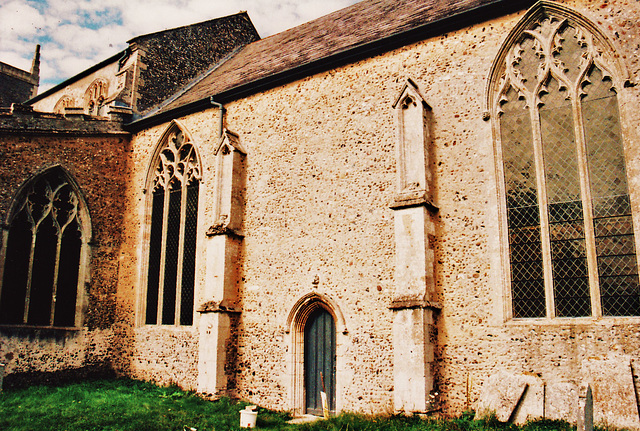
354, 28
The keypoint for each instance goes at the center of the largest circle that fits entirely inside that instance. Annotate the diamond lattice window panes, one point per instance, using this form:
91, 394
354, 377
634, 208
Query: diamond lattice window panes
570, 232
41, 277
175, 186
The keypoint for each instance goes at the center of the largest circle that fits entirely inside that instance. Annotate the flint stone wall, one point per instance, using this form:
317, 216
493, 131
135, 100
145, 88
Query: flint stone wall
97, 158
320, 177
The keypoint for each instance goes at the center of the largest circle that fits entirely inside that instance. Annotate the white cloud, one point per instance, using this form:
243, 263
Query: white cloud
164, 14
18, 19
64, 63
19, 24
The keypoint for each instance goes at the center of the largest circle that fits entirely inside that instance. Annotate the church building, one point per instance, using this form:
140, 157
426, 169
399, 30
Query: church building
417, 206
17, 85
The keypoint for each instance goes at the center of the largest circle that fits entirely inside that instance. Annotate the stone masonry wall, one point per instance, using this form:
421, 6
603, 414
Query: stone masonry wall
320, 178
76, 90
99, 165
14, 89
320, 168
320, 173
474, 340
309, 213
164, 354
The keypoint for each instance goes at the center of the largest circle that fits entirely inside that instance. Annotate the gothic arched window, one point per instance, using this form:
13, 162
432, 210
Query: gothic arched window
41, 277
95, 96
571, 240
62, 103
174, 185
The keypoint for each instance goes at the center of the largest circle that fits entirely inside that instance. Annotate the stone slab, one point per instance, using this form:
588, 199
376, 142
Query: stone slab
532, 403
611, 380
500, 395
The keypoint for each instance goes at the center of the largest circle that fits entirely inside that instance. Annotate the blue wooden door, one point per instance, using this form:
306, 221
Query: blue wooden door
319, 360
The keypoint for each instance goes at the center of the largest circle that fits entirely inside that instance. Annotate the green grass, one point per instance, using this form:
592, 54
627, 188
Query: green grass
120, 405
349, 422
123, 405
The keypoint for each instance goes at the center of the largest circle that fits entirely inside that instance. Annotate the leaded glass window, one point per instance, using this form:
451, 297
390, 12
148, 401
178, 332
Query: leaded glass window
571, 241
41, 269
172, 236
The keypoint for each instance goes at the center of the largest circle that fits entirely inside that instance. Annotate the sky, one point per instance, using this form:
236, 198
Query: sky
76, 34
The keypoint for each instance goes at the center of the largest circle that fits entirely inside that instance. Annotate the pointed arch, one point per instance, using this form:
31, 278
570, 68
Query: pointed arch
175, 136
307, 304
64, 102
173, 190
95, 96
45, 253
304, 309
566, 213
602, 50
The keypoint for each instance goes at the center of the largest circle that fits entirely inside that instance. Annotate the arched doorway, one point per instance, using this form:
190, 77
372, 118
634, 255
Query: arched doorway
311, 312
319, 360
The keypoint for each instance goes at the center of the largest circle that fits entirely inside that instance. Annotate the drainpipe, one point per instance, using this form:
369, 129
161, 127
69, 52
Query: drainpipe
222, 111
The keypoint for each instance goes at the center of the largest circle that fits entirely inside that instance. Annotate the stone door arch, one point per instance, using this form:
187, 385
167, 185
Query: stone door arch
315, 325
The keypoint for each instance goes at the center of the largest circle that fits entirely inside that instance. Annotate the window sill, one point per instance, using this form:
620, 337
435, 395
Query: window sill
575, 321
176, 328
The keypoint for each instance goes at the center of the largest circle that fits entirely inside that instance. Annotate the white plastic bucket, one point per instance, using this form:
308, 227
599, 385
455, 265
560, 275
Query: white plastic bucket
248, 418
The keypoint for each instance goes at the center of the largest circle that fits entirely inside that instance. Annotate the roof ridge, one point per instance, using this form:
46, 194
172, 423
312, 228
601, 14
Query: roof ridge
166, 30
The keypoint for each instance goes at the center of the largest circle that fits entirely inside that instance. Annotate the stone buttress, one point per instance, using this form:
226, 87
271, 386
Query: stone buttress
223, 249
413, 301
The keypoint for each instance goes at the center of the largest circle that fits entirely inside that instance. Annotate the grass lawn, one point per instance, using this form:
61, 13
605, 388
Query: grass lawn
129, 405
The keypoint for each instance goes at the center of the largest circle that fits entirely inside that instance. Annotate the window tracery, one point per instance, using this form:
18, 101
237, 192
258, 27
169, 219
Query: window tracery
62, 103
95, 96
570, 233
41, 276
175, 182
